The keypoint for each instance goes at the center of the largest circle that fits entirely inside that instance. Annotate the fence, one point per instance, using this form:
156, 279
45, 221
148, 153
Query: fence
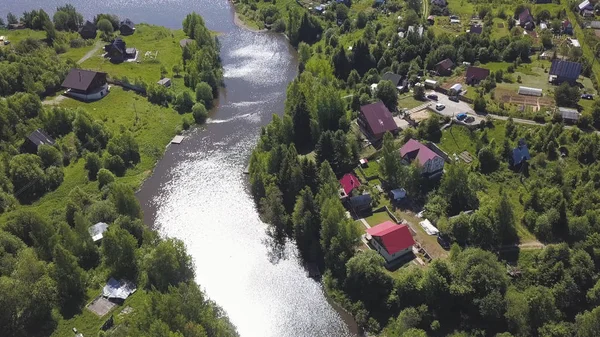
127, 85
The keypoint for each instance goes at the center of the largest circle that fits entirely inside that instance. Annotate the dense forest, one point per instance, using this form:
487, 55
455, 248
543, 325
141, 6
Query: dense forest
300, 156
49, 264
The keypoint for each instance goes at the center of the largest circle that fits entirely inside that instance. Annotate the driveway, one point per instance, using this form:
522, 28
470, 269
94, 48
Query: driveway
452, 108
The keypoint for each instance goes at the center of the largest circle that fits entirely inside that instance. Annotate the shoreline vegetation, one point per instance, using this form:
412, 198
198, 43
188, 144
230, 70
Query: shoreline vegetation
50, 267
524, 237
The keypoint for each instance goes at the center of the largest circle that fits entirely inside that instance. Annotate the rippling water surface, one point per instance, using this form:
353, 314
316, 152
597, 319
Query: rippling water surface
198, 192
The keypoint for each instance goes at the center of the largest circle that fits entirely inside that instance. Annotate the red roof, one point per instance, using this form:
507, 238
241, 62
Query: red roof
349, 182
393, 237
477, 73
378, 117
413, 149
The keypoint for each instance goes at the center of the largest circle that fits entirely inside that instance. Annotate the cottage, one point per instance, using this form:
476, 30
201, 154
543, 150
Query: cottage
543, 26
117, 51
430, 162
564, 71
375, 120
528, 91
586, 13
394, 78
398, 194
164, 82
86, 85
429, 83
520, 154
390, 240
15, 26
476, 29
348, 182
475, 75
569, 115
526, 20
118, 290
35, 139
126, 27
567, 27
88, 30
97, 231
360, 203
444, 67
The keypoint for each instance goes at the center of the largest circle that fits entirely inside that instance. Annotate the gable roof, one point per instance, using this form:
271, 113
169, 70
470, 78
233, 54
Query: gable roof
476, 73
525, 16
378, 117
476, 29
393, 237
415, 150
360, 201
80, 79
118, 289
349, 182
389, 76
585, 5
39, 137
117, 44
520, 153
445, 64
566, 69
88, 26
127, 22
569, 113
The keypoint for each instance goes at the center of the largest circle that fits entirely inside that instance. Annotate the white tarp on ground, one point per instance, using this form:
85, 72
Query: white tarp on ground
428, 227
118, 289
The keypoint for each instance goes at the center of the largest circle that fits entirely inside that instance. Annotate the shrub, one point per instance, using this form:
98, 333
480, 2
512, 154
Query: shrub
204, 94
105, 177
116, 165
200, 113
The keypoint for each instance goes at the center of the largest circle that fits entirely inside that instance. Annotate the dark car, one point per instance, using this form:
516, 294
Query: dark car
444, 241
433, 97
453, 98
587, 96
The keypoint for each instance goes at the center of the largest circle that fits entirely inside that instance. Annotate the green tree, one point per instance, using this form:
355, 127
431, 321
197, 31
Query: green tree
92, 165
11, 19
387, 93
169, 264
184, 102
118, 250
566, 95
70, 278
27, 176
204, 94
199, 112
124, 199
125, 146
273, 211
306, 225
505, 219
366, 279
456, 188
73, 19
391, 168
49, 155
488, 162
587, 324
419, 92
105, 26
177, 69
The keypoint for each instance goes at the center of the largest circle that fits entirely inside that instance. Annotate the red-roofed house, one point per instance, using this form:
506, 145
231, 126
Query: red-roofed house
349, 182
430, 162
475, 75
390, 240
375, 119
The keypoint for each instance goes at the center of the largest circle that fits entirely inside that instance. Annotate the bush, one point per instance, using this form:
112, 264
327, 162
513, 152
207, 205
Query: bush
105, 177
116, 165
186, 122
200, 113
50, 155
278, 26
204, 94
77, 43
92, 164
184, 102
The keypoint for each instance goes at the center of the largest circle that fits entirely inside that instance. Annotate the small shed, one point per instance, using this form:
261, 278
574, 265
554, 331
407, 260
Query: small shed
456, 87
97, 231
35, 139
431, 83
118, 290
528, 91
165, 82
569, 115
398, 194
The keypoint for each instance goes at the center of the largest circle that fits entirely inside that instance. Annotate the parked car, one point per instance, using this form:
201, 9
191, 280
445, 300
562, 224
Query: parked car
469, 119
453, 98
444, 241
6, 42
433, 97
461, 116
587, 96
440, 106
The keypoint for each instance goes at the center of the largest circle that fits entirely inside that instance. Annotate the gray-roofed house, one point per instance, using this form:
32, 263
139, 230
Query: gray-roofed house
476, 29
97, 231
569, 115
86, 85
117, 51
375, 119
35, 139
165, 82
444, 67
118, 290
127, 27
88, 30
564, 71
394, 78
595, 24
520, 154
360, 203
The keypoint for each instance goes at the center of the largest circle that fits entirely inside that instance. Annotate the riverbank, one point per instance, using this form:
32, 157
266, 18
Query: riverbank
243, 23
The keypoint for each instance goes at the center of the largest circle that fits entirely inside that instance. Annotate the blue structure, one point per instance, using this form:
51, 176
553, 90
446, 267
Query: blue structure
564, 71
520, 154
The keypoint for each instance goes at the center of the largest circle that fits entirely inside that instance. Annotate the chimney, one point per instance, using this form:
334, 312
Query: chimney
79, 76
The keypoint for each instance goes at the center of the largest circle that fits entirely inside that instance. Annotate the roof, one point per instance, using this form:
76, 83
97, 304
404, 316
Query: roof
378, 117
393, 237
96, 231
431, 17
363, 200
520, 153
565, 69
349, 182
398, 193
476, 29
127, 22
39, 137
476, 73
415, 150
585, 5
118, 44
185, 42
80, 79
575, 43
456, 87
525, 16
88, 27
445, 64
568, 113
389, 76
164, 81
118, 289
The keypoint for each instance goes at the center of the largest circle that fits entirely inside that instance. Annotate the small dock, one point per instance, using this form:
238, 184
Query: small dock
247, 169
177, 140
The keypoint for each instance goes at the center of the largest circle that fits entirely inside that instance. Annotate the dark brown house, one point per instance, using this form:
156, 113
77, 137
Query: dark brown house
88, 30
35, 139
526, 20
375, 119
444, 67
117, 51
475, 75
86, 85
127, 27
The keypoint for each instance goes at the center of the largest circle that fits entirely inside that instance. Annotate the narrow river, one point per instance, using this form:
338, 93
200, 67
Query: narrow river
198, 192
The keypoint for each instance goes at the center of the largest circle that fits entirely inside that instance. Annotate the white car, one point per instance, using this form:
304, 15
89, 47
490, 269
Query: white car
440, 106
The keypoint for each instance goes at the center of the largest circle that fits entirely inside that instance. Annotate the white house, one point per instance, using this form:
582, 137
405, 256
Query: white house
392, 241
431, 163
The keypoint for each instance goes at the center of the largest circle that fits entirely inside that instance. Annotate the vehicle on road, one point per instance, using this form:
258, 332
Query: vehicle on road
440, 106
433, 97
587, 96
461, 116
453, 98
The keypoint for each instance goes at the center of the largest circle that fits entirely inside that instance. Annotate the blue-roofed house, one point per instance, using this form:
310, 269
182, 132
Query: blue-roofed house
520, 154
564, 71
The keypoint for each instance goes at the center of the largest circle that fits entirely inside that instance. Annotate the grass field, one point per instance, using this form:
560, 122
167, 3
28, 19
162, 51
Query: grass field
15, 36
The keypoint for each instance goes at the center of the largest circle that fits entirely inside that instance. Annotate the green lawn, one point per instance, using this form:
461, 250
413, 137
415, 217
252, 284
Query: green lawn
408, 101
377, 218
15, 36
499, 32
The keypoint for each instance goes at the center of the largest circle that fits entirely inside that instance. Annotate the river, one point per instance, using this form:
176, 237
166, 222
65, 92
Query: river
198, 192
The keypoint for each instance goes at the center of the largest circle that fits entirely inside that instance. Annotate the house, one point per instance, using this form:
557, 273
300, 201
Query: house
349, 182
185, 42
476, 29
585, 5
118, 291
390, 240
375, 119
165, 82
429, 228
475, 75
15, 26
569, 115
360, 203
520, 154
439, 3
126, 27
454, 19
117, 51
528, 91
429, 83
564, 71
86, 85
35, 139
88, 30
430, 162
394, 78
398, 194
526, 20
96, 231
567, 27
444, 67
